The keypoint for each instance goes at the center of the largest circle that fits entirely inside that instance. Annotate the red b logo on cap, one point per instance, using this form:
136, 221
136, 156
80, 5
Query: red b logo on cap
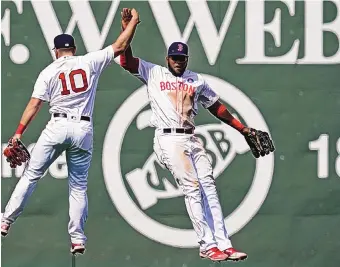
180, 47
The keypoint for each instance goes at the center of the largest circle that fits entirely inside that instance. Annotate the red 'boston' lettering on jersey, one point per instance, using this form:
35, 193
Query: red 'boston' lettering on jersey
180, 86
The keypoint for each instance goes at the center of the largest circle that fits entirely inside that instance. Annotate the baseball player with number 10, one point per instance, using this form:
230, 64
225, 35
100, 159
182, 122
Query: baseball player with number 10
69, 84
174, 94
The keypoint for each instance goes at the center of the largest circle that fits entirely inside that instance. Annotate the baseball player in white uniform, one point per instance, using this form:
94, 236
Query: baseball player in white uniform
174, 95
69, 85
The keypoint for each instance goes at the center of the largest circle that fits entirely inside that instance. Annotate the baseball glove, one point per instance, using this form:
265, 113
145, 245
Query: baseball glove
259, 142
16, 153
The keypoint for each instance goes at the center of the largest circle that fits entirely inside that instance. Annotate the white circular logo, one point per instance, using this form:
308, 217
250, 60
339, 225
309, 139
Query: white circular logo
129, 210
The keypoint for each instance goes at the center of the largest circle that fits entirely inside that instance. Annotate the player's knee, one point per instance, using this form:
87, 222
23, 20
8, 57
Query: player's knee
207, 180
32, 174
192, 189
209, 186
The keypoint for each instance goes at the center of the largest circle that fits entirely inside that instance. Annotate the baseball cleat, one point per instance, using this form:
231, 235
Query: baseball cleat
4, 229
235, 255
213, 254
77, 248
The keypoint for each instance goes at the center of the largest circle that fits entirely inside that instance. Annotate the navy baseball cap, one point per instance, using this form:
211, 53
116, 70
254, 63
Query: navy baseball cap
178, 49
64, 41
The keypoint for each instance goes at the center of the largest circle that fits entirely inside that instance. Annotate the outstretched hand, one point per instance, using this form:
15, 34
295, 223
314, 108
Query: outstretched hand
127, 15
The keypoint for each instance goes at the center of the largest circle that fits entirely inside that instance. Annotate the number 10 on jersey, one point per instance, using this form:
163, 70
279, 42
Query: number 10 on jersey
75, 88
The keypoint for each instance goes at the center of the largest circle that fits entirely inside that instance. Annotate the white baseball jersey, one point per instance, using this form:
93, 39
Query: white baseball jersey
174, 100
69, 83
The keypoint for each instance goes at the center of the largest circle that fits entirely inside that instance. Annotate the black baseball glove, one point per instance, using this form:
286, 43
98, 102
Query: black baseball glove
259, 142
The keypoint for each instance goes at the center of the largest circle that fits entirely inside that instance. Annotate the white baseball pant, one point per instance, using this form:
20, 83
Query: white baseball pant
185, 157
76, 137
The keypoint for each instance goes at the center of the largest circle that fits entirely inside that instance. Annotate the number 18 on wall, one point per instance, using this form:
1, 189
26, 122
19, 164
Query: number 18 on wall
321, 145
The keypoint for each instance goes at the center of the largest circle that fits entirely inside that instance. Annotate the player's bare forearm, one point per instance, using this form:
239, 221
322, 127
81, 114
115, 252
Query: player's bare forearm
221, 112
126, 36
29, 114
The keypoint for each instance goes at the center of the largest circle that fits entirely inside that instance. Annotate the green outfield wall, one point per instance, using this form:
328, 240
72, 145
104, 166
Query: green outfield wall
276, 64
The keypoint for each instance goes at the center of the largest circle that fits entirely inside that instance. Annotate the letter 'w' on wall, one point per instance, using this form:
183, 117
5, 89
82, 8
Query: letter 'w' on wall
82, 17
210, 37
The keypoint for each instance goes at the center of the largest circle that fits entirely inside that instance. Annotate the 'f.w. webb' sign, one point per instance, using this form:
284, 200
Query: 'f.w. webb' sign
211, 38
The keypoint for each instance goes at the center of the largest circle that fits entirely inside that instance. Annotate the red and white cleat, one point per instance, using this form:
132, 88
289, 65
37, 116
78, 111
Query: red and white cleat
213, 254
4, 229
77, 248
235, 255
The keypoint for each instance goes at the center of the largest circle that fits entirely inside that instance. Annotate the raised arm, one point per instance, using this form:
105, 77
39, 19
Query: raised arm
127, 60
126, 36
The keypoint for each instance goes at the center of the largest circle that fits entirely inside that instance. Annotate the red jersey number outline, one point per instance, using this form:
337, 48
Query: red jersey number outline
65, 90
